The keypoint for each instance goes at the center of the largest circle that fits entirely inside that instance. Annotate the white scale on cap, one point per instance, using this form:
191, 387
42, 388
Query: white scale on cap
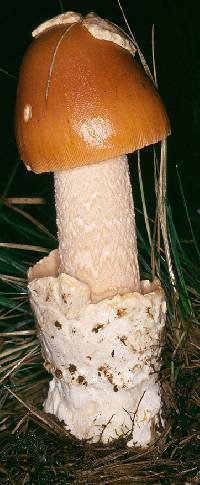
98, 27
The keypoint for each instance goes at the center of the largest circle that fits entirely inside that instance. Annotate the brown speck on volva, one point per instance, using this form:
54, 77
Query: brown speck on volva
72, 368
106, 371
88, 357
52, 336
112, 353
65, 297
82, 380
123, 340
58, 373
115, 389
97, 327
58, 324
121, 312
149, 313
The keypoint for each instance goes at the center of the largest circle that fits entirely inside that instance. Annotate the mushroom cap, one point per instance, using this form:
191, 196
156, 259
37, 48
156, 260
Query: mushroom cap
83, 99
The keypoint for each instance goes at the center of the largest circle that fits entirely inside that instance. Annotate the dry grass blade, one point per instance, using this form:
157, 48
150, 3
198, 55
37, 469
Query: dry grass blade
24, 201
19, 363
40, 415
7, 278
161, 200
26, 247
153, 55
146, 218
61, 6
30, 218
9, 314
141, 56
7, 73
13, 351
18, 333
20, 422
15, 307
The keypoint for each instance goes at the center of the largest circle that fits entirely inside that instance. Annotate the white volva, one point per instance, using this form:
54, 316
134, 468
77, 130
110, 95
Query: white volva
104, 356
96, 227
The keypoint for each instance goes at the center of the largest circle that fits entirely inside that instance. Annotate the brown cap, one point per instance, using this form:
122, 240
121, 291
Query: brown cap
82, 99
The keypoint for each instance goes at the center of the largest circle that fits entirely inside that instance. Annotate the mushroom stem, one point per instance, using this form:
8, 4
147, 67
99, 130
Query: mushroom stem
96, 227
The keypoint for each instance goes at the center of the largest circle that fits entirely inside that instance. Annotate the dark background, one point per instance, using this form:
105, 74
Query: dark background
177, 45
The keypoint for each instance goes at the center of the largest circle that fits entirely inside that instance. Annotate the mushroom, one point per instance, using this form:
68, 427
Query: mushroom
83, 103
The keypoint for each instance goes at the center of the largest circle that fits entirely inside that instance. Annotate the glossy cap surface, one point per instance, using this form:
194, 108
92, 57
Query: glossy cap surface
82, 100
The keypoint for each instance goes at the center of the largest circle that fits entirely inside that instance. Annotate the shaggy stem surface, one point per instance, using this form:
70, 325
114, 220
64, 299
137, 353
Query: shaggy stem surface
96, 227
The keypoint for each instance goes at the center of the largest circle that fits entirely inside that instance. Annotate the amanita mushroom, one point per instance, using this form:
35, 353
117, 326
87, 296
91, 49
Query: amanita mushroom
83, 103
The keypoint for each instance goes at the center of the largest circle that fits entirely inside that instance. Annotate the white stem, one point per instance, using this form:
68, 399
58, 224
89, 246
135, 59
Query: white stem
96, 227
